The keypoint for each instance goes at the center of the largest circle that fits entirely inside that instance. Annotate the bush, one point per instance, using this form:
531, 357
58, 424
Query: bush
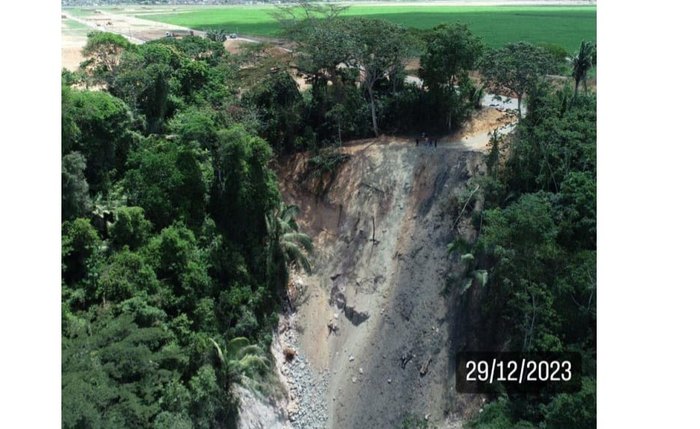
131, 228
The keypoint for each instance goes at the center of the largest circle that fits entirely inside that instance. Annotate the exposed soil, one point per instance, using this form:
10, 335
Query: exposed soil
71, 55
233, 45
72, 42
375, 313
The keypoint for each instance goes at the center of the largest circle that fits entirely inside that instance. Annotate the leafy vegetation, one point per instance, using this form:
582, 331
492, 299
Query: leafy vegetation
167, 296
535, 256
581, 63
451, 51
515, 68
356, 69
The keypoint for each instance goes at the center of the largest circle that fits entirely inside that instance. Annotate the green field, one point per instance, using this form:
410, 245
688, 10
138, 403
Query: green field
562, 25
80, 12
74, 28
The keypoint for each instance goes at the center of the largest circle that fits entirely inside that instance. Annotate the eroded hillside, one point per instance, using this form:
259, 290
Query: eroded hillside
373, 322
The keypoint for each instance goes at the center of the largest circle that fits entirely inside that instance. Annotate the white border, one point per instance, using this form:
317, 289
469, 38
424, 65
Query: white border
648, 302
30, 218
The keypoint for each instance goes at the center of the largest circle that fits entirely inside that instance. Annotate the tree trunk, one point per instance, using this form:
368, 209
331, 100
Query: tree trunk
520, 97
374, 113
576, 88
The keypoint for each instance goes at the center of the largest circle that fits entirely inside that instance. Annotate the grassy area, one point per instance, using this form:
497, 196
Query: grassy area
80, 12
74, 28
562, 25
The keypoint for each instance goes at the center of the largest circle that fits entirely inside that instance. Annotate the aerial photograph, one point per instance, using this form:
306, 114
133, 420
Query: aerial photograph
328, 214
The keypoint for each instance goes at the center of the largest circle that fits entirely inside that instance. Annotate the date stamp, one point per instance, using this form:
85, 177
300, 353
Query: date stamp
544, 372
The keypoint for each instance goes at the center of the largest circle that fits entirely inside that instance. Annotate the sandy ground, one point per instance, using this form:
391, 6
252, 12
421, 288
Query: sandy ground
137, 30
70, 52
72, 41
476, 136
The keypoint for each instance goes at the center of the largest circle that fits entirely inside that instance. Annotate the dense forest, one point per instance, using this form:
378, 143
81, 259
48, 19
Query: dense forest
176, 245
175, 242
534, 262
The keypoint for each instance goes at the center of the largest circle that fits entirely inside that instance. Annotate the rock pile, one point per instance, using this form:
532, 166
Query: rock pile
307, 390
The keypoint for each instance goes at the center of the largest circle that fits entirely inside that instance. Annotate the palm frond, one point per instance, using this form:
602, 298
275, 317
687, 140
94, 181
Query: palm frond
467, 257
251, 365
285, 240
481, 276
252, 349
269, 224
237, 344
290, 212
294, 256
459, 245
219, 353
467, 284
299, 237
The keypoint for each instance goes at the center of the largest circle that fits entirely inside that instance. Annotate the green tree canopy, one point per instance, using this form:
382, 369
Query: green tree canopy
75, 190
196, 124
196, 48
130, 228
245, 187
80, 244
287, 246
97, 125
144, 82
573, 410
379, 50
166, 180
278, 103
514, 68
126, 274
112, 373
103, 52
451, 51
182, 267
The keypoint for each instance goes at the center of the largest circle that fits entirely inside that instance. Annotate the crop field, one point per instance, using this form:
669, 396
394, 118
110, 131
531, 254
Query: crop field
70, 27
497, 25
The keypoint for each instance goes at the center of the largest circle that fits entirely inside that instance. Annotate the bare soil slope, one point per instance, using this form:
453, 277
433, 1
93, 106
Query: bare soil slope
381, 235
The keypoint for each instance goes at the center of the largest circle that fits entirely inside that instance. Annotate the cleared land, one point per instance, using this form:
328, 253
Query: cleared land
73, 38
497, 25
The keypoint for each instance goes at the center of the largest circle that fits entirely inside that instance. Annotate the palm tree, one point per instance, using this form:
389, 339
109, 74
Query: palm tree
471, 274
581, 63
240, 361
287, 247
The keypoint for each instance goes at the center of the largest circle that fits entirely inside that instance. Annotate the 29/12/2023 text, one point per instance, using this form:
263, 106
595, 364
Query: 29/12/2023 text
490, 372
